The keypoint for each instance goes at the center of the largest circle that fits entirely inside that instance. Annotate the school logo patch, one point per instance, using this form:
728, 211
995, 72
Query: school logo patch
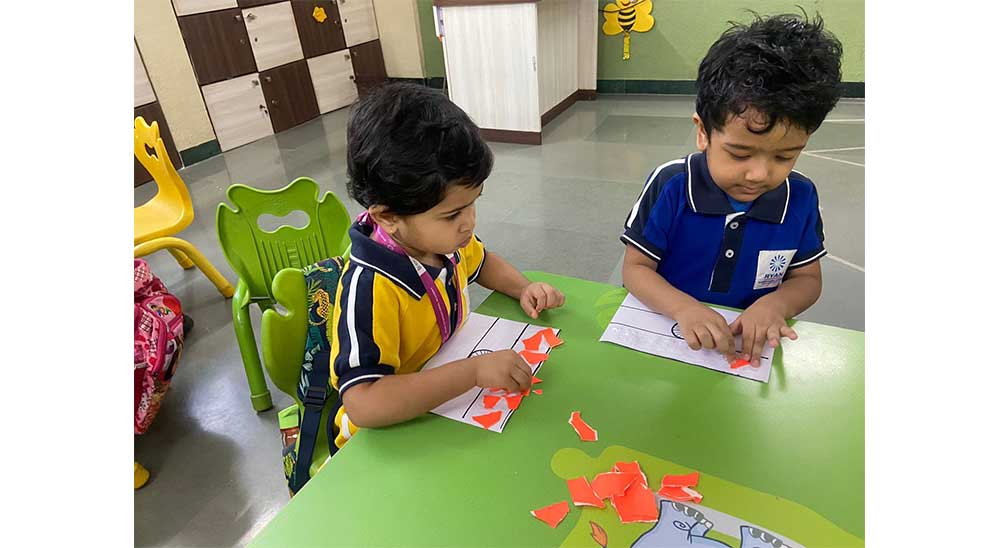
771, 267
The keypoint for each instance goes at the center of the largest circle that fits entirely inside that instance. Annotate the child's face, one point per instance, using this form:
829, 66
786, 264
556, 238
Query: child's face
441, 230
745, 164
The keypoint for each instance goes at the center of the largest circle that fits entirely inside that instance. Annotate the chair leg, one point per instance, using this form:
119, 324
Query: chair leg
185, 247
182, 259
260, 396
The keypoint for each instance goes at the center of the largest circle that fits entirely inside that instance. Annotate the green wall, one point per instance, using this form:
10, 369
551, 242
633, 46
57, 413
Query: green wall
683, 32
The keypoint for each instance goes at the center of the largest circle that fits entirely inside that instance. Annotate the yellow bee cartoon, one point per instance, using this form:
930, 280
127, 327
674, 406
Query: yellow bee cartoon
628, 16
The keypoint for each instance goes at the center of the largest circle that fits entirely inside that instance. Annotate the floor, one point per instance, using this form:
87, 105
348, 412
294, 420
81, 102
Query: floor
215, 465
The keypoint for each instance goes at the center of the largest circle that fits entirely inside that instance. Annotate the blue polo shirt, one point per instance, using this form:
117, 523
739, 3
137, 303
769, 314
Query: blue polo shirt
714, 253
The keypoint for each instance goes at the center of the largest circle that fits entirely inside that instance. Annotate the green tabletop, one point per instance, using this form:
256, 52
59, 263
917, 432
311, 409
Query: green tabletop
787, 455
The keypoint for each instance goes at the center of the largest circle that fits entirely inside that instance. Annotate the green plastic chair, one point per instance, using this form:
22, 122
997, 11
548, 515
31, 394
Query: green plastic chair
280, 335
257, 255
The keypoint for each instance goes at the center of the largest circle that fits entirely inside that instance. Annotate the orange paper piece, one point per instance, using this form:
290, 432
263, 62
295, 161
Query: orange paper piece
599, 535
535, 380
584, 430
687, 480
550, 337
539, 392
490, 401
582, 493
552, 514
534, 342
738, 363
631, 468
513, 401
488, 419
611, 484
637, 504
533, 358
680, 494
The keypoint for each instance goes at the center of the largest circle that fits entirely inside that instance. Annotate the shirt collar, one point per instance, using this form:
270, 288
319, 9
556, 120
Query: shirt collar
704, 196
392, 265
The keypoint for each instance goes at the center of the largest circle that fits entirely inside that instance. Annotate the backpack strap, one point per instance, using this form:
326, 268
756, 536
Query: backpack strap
314, 383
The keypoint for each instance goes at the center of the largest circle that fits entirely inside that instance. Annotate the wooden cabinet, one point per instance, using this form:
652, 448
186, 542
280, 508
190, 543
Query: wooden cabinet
143, 91
333, 80
358, 20
317, 37
288, 90
218, 45
152, 113
188, 7
238, 111
273, 36
369, 67
253, 3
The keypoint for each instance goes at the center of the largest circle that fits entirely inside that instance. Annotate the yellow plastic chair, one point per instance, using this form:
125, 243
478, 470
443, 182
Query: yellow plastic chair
170, 211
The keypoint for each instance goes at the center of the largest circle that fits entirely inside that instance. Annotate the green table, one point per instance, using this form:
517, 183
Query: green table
788, 455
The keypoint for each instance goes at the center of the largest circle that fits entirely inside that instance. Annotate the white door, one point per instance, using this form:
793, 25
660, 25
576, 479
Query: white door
358, 19
273, 35
333, 78
238, 111
143, 94
187, 7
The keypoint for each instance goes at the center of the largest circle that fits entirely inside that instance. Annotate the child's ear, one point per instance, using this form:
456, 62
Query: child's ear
701, 137
384, 218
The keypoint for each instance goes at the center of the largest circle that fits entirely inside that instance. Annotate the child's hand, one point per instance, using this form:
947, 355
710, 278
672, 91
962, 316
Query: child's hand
538, 296
761, 322
502, 369
703, 327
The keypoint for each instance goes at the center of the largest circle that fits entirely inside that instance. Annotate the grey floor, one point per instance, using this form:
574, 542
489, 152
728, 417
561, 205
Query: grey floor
216, 476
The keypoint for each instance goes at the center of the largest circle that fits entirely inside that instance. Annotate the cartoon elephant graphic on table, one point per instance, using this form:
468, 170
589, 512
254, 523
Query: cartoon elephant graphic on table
681, 525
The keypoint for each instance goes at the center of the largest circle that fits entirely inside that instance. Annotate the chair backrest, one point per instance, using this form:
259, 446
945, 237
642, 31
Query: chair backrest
169, 185
283, 335
256, 255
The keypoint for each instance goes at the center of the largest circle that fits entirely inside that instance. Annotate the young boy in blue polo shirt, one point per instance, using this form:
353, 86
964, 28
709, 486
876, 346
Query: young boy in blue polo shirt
417, 163
733, 224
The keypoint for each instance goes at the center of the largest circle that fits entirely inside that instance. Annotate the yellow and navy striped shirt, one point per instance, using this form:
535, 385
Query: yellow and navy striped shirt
383, 322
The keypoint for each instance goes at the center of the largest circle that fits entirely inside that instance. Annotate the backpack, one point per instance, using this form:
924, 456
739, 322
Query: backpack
159, 338
300, 424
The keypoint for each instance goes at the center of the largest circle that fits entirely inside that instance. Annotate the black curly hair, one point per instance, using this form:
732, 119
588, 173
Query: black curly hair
406, 143
785, 67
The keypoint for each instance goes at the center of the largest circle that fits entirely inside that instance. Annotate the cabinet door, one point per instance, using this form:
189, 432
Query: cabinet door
218, 45
273, 36
318, 37
358, 19
143, 94
333, 79
288, 90
253, 3
188, 7
237, 110
152, 113
369, 66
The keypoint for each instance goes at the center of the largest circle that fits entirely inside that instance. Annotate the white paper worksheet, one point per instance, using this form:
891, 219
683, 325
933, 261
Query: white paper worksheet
637, 327
480, 335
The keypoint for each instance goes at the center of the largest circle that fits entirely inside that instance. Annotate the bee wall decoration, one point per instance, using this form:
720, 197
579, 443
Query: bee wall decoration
627, 16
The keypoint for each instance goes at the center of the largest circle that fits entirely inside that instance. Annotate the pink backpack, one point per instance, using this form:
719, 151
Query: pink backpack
159, 338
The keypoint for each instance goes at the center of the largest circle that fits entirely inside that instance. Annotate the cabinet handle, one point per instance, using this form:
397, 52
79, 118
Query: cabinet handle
242, 41
256, 83
351, 77
251, 17
238, 17
347, 57
274, 101
267, 79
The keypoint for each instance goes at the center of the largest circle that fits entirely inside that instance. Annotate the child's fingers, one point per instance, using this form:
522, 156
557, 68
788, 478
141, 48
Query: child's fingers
719, 335
737, 326
704, 337
788, 332
749, 333
551, 297
691, 338
528, 305
774, 336
523, 380
760, 337
541, 299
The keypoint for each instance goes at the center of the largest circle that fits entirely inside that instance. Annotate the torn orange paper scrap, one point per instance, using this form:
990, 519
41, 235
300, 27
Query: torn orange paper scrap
534, 342
535, 380
533, 358
539, 392
550, 337
687, 480
584, 430
738, 363
599, 535
552, 514
489, 419
582, 493
631, 468
680, 494
637, 504
513, 401
490, 401
611, 484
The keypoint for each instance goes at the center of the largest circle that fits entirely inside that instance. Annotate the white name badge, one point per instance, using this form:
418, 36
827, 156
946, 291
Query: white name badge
771, 267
